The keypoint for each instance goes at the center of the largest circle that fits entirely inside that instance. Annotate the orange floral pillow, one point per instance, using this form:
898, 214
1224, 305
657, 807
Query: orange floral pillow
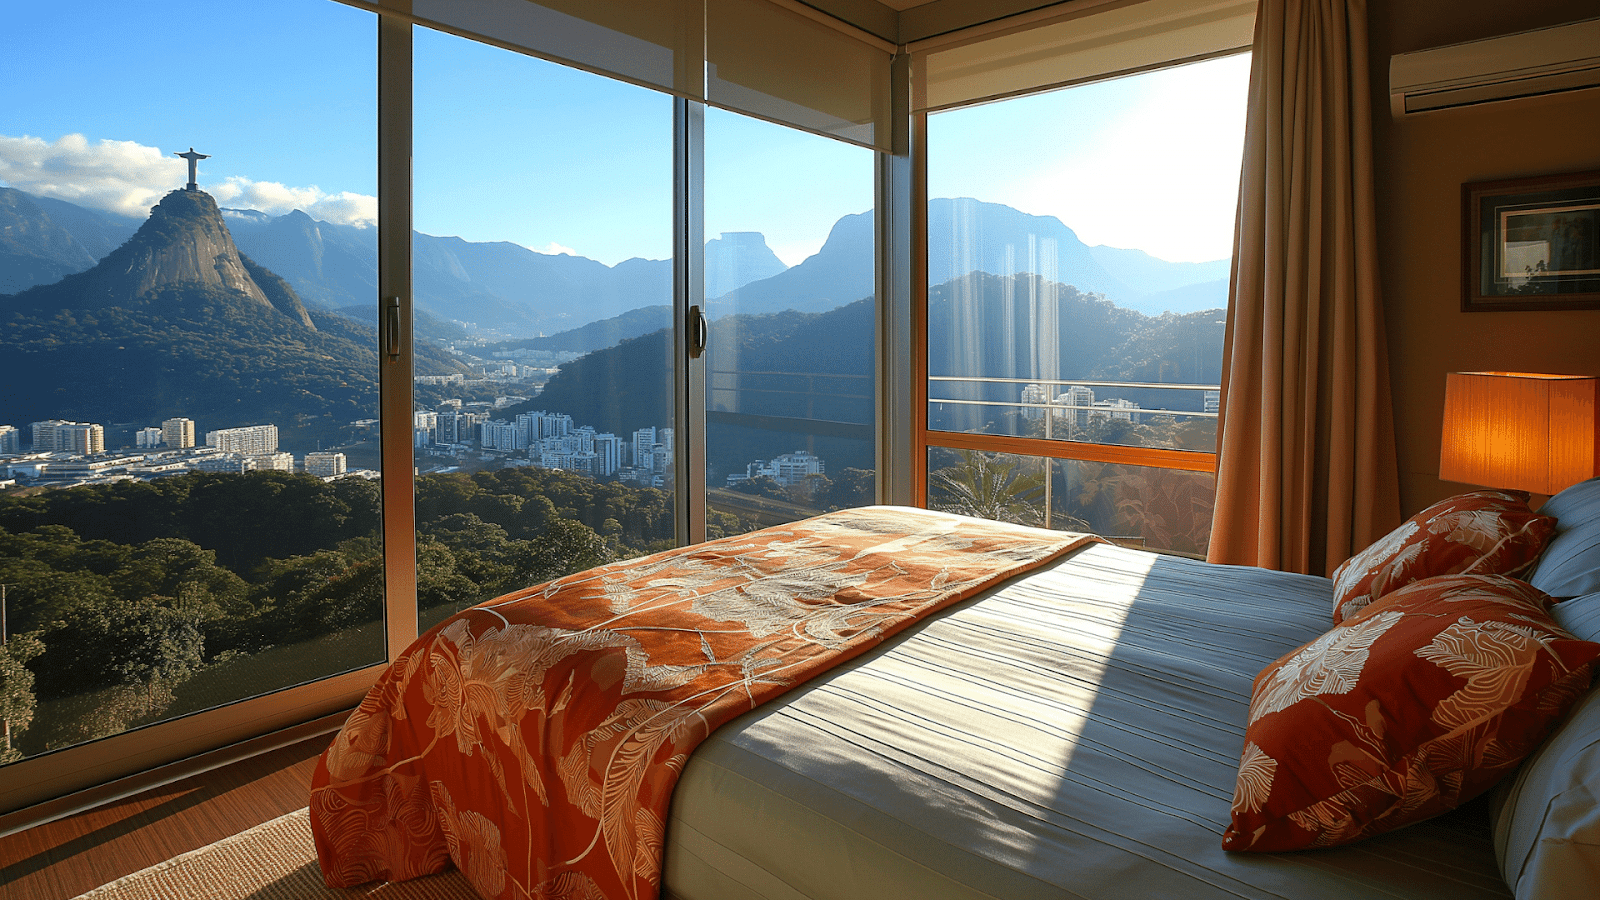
1476, 533
1415, 705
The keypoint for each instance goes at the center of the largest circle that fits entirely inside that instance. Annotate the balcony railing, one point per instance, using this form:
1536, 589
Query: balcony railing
1074, 411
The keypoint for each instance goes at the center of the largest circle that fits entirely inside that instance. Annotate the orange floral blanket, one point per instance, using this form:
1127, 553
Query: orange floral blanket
535, 740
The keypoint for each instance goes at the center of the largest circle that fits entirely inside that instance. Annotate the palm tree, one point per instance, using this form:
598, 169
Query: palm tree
989, 486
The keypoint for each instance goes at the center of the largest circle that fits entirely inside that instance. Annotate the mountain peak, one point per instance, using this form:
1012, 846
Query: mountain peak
185, 241
184, 244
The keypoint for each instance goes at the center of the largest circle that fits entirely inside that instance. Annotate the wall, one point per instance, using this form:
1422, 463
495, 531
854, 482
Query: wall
1421, 164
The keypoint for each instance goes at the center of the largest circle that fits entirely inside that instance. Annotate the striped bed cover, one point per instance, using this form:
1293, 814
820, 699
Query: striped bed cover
1072, 733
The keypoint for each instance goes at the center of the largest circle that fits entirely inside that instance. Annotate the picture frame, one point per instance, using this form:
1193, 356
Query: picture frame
1531, 243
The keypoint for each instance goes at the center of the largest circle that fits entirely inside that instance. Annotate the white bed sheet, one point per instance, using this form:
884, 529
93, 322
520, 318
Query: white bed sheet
1072, 733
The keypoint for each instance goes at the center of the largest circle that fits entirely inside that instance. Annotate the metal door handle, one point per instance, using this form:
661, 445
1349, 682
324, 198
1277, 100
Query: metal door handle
391, 327
699, 332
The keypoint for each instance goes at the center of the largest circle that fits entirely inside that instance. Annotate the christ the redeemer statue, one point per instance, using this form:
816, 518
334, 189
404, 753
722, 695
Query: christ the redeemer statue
194, 159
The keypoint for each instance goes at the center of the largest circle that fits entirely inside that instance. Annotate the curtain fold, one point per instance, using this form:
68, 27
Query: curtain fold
1306, 469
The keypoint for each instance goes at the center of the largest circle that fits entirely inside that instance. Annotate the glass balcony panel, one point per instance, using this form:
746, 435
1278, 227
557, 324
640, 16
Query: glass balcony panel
789, 286
190, 511
1164, 510
543, 272
1078, 259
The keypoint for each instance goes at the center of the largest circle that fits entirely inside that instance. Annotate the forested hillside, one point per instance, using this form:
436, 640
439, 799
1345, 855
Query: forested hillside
135, 590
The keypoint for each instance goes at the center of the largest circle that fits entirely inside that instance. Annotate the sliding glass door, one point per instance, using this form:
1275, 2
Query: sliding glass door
542, 265
320, 324
190, 512
790, 292
1079, 248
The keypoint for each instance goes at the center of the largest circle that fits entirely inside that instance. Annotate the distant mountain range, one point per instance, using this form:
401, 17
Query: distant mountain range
815, 366
179, 320
505, 289
176, 321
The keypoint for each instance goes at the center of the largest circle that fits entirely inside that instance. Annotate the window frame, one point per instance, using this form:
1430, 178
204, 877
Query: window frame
59, 782
925, 438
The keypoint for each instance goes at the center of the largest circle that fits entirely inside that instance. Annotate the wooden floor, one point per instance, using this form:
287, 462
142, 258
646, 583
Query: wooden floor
62, 859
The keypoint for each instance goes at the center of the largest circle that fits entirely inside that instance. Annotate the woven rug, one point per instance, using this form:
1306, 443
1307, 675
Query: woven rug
272, 861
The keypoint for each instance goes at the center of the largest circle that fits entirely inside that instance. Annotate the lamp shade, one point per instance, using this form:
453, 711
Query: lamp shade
1518, 430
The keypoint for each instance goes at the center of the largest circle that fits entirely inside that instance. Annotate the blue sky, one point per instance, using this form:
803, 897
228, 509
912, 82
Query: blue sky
282, 95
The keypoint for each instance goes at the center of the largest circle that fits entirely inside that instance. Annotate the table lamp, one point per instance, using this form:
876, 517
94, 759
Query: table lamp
1519, 430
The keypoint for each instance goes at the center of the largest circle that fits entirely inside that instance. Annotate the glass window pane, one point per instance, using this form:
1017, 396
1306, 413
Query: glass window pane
1079, 253
543, 289
190, 506
790, 381
1166, 510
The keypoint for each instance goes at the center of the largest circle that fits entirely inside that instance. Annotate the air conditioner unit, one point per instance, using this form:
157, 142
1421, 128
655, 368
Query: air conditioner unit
1526, 64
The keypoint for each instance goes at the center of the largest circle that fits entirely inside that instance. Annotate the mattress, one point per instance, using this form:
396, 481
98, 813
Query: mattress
1071, 733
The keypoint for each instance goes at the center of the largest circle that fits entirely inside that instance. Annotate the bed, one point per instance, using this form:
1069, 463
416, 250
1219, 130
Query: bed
1071, 731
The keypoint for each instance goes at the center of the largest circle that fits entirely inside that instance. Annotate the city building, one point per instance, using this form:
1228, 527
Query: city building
87, 468
280, 461
10, 439
643, 440
1073, 405
424, 425
325, 464
178, 432
502, 436
250, 439
540, 425
148, 438
1117, 408
1037, 394
455, 427
788, 469
72, 437
240, 463
608, 454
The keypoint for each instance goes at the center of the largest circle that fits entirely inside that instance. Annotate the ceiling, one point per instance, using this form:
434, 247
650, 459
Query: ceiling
905, 21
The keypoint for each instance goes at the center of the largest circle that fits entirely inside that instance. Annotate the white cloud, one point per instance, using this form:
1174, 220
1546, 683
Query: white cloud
127, 178
343, 208
555, 249
117, 176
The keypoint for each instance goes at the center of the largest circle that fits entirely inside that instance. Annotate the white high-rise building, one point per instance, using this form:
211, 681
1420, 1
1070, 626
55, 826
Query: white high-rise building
608, 454
54, 435
276, 462
1075, 403
148, 438
424, 426
82, 438
643, 440
540, 425
457, 427
44, 435
793, 467
325, 464
10, 439
504, 436
1034, 393
178, 432
1117, 408
250, 440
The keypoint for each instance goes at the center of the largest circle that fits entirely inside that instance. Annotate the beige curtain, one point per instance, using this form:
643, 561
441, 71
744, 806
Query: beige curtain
1306, 461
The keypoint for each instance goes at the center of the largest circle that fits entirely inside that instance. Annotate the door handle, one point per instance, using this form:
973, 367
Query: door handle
699, 332
391, 327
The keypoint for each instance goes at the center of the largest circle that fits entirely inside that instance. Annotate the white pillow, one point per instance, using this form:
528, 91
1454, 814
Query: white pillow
1547, 816
1570, 564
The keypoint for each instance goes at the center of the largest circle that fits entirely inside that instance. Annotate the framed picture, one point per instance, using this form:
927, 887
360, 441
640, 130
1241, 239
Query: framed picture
1531, 243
